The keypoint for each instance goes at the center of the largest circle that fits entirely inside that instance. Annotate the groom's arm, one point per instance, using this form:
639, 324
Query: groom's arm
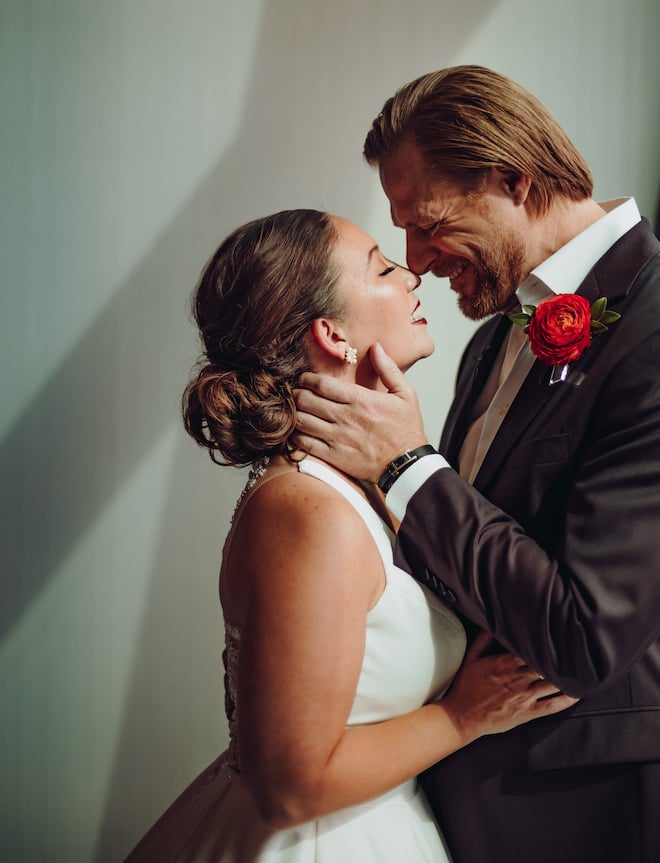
584, 616
581, 618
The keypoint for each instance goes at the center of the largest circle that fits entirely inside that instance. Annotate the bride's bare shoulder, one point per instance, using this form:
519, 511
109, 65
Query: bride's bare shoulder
297, 532
290, 493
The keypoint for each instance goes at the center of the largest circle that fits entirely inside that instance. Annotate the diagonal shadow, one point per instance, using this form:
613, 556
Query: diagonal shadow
91, 422
316, 133
320, 73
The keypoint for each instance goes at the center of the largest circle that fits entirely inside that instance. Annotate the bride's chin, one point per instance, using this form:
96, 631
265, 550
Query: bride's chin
426, 352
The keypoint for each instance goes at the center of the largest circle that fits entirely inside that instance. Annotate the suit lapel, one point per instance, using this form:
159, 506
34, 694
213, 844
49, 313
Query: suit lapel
615, 273
611, 277
533, 396
476, 365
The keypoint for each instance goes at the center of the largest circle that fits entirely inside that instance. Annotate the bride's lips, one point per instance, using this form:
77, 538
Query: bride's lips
416, 316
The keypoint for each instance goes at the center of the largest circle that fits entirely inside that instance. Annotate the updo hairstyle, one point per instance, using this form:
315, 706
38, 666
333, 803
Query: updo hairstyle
254, 304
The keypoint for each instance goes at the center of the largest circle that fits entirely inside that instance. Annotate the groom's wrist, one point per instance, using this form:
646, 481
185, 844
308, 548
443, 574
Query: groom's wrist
399, 465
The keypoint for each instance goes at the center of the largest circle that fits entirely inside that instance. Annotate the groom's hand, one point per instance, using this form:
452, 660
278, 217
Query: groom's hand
359, 430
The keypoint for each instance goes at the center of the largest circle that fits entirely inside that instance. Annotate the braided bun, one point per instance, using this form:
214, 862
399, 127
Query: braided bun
254, 305
238, 419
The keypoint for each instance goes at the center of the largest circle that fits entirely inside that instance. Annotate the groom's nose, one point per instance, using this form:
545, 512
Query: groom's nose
419, 254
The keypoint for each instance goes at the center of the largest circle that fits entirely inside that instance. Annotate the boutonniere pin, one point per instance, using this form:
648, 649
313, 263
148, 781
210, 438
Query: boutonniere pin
561, 327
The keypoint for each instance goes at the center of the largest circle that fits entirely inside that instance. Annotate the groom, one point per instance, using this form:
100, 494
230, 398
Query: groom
539, 519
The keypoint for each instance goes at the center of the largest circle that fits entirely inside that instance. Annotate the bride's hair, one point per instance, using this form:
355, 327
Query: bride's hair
254, 304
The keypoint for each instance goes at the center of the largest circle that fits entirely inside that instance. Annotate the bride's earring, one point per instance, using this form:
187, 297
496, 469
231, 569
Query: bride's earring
350, 356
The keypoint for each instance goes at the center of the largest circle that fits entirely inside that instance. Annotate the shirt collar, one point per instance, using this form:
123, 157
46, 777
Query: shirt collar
564, 272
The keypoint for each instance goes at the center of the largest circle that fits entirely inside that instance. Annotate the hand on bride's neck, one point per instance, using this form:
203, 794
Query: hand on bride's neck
367, 377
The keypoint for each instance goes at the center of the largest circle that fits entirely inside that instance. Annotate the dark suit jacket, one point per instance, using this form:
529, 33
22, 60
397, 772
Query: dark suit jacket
557, 552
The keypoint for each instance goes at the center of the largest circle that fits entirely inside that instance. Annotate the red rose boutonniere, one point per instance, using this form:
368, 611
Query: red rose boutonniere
561, 327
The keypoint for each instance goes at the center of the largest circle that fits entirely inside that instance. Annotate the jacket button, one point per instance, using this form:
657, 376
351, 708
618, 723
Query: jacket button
430, 579
444, 591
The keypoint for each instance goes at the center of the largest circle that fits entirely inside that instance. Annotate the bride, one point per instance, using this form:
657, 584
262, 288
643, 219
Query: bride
344, 677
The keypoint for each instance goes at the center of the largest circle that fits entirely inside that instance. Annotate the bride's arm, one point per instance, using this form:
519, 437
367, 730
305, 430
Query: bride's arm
304, 571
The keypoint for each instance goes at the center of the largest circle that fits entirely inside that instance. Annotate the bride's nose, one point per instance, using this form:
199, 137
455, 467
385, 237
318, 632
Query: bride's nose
411, 281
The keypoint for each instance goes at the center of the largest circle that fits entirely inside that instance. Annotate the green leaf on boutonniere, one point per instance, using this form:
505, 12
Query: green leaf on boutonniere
520, 319
523, 317
601, 316
597, 308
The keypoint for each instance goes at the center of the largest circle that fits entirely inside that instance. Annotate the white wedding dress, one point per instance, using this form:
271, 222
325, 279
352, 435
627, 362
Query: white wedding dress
414, 646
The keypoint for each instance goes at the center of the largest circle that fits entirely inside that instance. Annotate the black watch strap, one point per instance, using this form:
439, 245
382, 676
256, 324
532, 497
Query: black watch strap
395, 468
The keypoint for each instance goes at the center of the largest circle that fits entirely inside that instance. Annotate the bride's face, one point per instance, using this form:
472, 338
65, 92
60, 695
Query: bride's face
380, 298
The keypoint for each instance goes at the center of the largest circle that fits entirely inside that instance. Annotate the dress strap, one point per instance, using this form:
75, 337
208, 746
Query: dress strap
381, 533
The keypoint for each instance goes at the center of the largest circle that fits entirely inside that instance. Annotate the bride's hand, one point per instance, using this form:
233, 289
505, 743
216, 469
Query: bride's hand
496, 692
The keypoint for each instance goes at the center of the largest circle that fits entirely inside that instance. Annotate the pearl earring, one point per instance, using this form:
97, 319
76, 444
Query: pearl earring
350, 356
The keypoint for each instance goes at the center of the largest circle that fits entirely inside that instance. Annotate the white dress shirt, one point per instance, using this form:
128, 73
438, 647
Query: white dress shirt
563, 272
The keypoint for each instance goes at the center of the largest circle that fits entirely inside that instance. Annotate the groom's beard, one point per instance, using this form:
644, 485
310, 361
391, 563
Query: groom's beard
500, 270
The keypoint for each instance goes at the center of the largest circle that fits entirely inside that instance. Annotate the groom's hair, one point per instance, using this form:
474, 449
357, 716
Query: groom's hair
467, 119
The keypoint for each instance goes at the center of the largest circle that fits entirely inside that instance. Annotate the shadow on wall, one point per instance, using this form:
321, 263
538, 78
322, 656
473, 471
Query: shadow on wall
124, 365
64, 459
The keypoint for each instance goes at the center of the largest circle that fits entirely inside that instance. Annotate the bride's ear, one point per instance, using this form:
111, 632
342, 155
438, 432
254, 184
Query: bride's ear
330, 337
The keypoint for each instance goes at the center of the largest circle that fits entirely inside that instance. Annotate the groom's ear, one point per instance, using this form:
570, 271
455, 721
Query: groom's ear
514, 184
330, 337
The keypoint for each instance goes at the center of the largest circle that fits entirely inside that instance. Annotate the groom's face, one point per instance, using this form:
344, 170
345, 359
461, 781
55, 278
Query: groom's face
476, 239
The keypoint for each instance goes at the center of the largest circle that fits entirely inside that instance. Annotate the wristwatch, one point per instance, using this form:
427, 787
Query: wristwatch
400, 464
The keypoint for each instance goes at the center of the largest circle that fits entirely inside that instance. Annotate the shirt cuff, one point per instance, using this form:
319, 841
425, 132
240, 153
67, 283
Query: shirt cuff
410, 481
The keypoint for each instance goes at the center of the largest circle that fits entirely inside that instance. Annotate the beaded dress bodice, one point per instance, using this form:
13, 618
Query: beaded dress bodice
232, 757
230, 661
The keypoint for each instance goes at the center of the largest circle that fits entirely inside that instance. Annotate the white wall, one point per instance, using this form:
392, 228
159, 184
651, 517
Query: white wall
135, 135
